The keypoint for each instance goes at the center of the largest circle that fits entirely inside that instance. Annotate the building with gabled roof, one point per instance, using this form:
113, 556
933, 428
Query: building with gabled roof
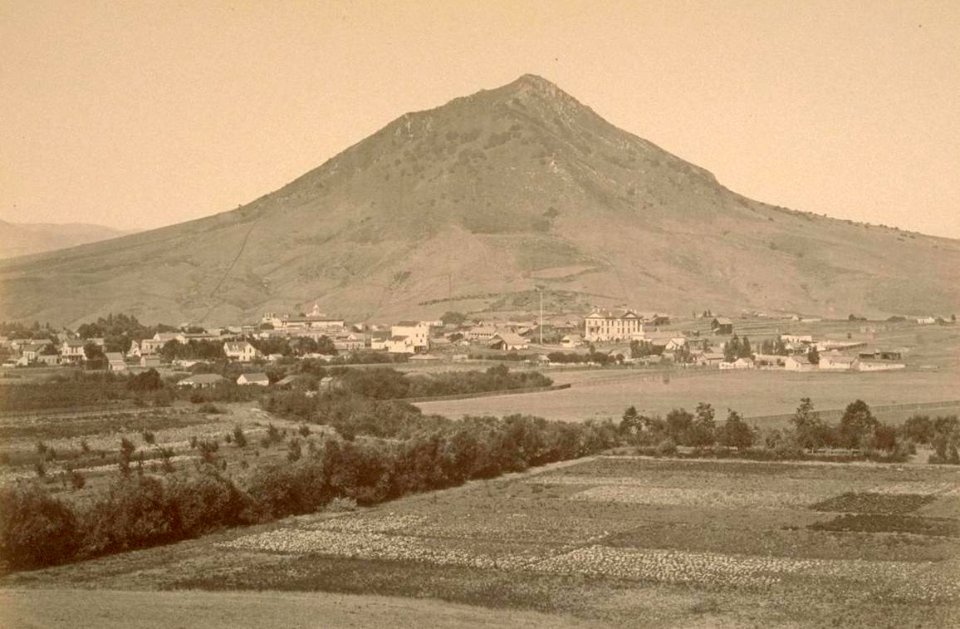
602, 325
241, 351
508, 341
259, 379
201, 381
721, 325
115, 361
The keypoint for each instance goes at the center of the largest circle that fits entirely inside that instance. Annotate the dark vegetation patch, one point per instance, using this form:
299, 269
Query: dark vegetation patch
472, 586
863, 502
884, 523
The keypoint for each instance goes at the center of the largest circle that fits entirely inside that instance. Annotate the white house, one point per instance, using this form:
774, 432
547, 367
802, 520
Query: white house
798, 363
257, 379
838, 362
379, 340
601, 325
71, 350
417, 334
400, 344
675, 343
873, 365
155, 344
241, 351
740, 363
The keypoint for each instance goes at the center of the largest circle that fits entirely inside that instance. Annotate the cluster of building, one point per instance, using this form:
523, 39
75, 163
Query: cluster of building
425, 339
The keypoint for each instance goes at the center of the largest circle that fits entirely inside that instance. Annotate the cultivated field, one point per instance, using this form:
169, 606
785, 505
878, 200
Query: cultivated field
88, 442
626, 541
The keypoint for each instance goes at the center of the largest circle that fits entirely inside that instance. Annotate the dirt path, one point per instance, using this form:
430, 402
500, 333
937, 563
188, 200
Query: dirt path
106, 609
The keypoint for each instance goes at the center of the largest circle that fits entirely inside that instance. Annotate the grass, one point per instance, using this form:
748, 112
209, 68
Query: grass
852, 502
884, 523
605, 394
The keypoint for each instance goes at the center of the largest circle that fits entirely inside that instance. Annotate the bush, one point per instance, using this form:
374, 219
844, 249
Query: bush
667, 447
35, 528
239, 438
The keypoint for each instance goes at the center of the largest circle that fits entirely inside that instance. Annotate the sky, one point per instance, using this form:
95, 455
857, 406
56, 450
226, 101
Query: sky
141, 114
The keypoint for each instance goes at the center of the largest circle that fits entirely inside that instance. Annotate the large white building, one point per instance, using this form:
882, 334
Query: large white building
312, 321
601, 325
409, 337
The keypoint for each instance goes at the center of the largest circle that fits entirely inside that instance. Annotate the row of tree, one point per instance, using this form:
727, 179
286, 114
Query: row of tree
140, 510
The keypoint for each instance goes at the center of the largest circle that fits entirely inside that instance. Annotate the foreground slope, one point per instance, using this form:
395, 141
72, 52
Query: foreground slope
472, 205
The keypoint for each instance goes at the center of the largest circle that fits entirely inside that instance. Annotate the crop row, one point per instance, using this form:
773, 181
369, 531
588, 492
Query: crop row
368, 545
699, 497
905, 580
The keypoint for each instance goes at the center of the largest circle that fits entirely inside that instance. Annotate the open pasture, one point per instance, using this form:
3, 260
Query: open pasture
623, 540
601, 394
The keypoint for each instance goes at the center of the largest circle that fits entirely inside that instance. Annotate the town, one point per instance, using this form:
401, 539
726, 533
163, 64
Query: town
623, 337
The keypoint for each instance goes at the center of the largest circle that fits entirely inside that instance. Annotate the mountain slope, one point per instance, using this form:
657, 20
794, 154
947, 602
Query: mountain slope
470, 206
19, 239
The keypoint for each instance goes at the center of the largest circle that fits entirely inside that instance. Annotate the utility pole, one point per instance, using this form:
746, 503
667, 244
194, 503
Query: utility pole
540, 291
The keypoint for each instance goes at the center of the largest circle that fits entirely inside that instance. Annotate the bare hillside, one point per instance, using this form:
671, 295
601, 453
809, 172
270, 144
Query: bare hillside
472, 205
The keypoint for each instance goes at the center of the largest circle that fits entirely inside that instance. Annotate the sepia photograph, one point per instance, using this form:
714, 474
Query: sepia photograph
466, 314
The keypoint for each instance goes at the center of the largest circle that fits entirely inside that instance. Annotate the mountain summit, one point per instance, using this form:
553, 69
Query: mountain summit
474, 205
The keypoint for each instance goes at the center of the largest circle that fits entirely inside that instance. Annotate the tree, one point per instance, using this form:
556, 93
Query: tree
631, 423
703, 430
813, 356
731, 349
856, 425
453, 318
678, 423
94, 355
918, 429
811, 432
744, 351
149, 380
735, 433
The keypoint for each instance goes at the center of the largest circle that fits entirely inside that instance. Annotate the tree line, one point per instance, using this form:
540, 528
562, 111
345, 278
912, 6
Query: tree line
142, 510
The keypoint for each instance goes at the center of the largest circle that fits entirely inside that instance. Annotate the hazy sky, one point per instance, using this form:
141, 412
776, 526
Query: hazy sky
140, 114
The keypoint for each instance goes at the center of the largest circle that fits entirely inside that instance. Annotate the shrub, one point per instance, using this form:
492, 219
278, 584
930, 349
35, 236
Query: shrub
35, 528
238, 437
77, 480
667, 447
294, 450
208, 450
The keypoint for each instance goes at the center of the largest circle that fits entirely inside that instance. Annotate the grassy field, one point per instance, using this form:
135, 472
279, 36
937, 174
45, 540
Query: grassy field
932, 354
616, 540
606, 393
107, 609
